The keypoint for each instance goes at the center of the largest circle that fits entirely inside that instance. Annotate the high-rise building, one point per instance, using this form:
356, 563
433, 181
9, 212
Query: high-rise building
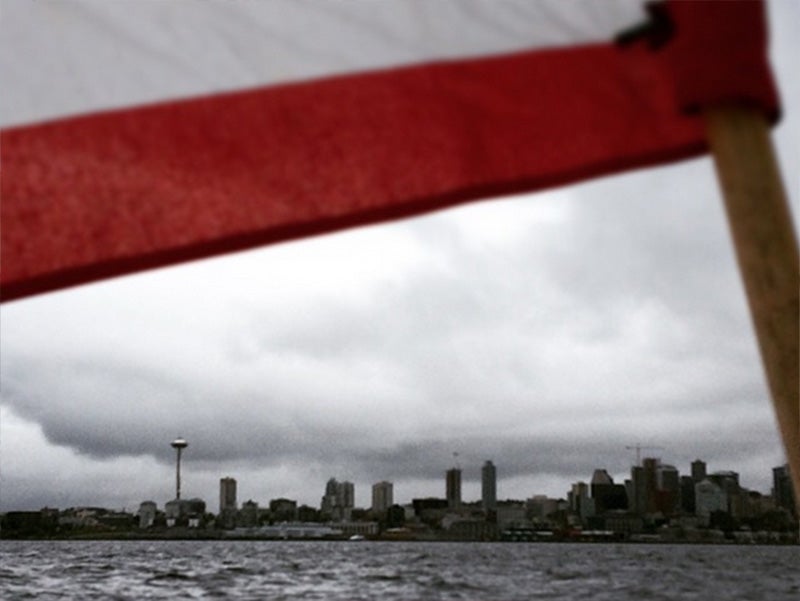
489, 486
709, 497
643, 487
329, 499
668, 492
782, 490
382, 497
453, 488
579, 500
650, 472
607, 496
339, 499
698, 470
687, 495
227, 494
227, 503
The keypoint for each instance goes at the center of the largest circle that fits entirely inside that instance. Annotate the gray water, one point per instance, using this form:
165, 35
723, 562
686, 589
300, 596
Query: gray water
393, 570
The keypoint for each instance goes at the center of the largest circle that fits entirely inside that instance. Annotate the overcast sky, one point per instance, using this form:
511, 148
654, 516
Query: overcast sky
545, 332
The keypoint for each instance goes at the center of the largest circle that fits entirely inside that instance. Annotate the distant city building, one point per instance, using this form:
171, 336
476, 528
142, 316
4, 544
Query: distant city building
248, 514
635, 487
147, 514
228, 507
709, 497
728, 481
511, 514
687, 495
453, 488
580, 503
668, 490
347, 495
283, 510
185, 512
489, 486
606, 495
227, 494
601, 478
339, 500
698, 470
382, 497
541, 507
782, 491
650, 473
429, 510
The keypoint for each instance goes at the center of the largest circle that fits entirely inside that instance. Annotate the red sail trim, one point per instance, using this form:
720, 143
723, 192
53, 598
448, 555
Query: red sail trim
719, 55
118, 192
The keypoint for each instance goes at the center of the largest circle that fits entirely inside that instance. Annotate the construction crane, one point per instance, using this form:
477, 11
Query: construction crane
638, 447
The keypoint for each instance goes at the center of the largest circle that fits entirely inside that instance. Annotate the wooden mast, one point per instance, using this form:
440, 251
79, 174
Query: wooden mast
766, 249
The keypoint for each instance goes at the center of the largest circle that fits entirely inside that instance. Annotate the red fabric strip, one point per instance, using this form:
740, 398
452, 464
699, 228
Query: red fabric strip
719, 55
114, 193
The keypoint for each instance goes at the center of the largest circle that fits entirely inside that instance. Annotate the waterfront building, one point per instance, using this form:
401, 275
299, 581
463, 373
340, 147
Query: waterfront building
185, 512
606, 495
698, 470
347, 497
635, 488
782, 491
541, 507
429, 510
489, 486
382, 497
227, 494
668, 490
687, 495
728, 481
580, 503
709, 497
511, 514
283, 510
339, 500
248, 514
228, 506
650, 473
453, 488
147, 514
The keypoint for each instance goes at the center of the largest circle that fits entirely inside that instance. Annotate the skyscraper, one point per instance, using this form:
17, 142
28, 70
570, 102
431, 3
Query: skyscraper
227, 494
227, 503
339, 499
606, 495
346, 497
782, 490
668, 489
382, 497
698, 470
489, 486
453, 481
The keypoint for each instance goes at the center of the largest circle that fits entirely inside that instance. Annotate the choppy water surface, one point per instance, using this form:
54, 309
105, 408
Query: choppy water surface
375, 570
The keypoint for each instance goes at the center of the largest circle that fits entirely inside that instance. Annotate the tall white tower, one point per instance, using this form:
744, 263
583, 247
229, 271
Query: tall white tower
178, 444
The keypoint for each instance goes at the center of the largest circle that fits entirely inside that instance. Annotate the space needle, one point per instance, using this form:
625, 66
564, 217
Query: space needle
178, 444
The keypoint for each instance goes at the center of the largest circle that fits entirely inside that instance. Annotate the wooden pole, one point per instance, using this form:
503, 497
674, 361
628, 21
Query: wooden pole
766, 250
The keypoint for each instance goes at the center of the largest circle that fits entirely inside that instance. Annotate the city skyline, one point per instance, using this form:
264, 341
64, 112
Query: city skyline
542, 331
340, 497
